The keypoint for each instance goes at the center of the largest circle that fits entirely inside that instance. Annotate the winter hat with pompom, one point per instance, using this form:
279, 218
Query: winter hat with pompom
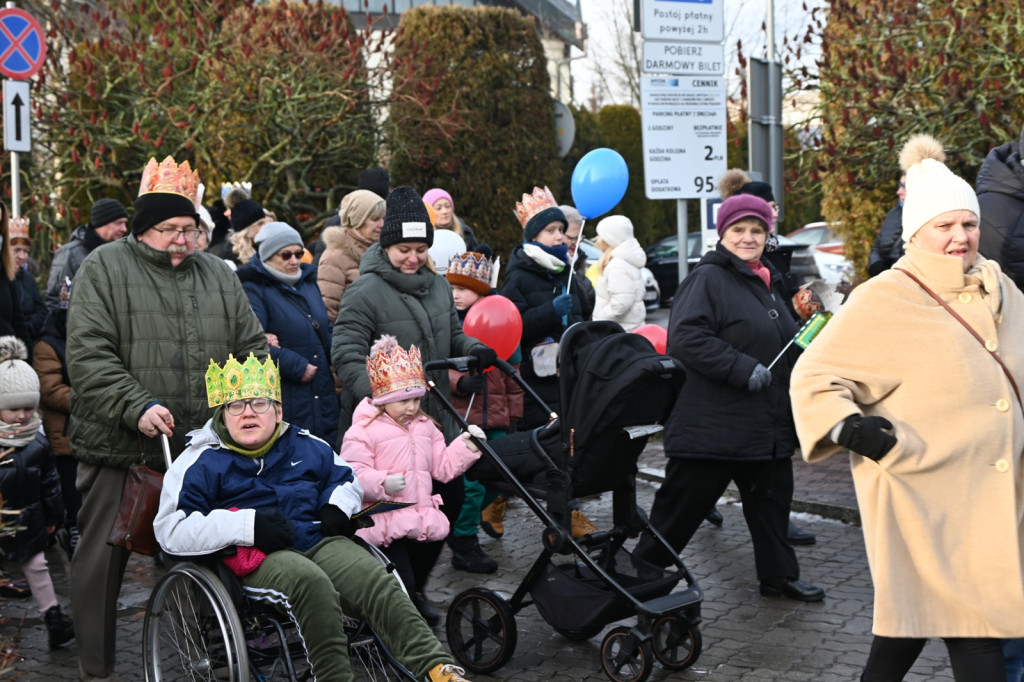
932, 189
19, 383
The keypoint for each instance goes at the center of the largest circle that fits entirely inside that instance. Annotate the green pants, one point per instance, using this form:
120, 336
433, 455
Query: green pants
477, 497
338, 576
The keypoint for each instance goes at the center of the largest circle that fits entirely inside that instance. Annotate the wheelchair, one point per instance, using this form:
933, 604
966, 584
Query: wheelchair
193, 630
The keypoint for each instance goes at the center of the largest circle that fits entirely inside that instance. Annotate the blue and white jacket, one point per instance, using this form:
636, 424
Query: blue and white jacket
296, 477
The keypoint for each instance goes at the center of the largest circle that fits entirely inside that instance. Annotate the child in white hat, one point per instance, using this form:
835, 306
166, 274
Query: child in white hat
29, 484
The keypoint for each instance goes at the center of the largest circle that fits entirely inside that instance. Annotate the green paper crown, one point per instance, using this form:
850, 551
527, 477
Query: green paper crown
237, 381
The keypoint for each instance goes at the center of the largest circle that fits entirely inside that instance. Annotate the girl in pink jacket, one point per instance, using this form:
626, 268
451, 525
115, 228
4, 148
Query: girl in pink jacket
397, 452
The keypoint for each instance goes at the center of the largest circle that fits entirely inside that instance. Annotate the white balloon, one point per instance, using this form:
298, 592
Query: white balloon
446, 245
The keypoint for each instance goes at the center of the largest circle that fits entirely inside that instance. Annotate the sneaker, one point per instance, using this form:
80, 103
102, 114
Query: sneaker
59, 626
446, 672
469, 556
581, 525
493, 516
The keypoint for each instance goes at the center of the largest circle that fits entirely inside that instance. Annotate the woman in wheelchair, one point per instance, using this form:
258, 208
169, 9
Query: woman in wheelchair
250, 481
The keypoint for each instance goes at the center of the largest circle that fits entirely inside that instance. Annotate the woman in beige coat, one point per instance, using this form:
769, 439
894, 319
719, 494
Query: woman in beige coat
935, 428
362, 217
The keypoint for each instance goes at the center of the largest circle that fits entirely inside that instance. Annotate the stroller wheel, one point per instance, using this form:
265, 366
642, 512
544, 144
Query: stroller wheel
676, 643
481, 630
625, 658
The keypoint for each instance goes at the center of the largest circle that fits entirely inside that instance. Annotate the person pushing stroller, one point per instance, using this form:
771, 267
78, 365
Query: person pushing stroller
293, 499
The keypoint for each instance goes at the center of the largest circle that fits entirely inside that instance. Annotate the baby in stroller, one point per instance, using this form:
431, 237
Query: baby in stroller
294, 499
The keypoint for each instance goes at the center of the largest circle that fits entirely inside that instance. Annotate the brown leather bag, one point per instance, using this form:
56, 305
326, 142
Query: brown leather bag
140, 500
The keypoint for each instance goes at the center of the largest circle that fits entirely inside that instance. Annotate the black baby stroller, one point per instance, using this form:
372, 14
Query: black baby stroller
614, 389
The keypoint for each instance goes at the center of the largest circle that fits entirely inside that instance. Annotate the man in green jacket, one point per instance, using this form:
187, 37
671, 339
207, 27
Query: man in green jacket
148, 313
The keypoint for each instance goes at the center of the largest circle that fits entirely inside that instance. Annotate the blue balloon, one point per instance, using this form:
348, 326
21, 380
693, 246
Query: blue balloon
599, 182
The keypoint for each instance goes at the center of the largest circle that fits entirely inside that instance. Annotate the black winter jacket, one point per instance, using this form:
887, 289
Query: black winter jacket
888, 245
1000, 189
30, 483
532, 289
724, 322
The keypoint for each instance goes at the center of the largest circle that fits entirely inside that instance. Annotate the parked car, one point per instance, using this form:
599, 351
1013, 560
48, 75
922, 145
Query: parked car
652, 291
796, 261
829, 251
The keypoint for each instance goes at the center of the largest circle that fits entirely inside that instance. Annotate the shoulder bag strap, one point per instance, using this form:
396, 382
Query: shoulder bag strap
968, 327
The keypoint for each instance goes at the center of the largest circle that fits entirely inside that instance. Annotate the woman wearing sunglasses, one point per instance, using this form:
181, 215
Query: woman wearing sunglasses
284, 295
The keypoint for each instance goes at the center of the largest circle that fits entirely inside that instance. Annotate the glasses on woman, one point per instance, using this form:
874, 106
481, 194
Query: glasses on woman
189, 235
288, 255
258, 405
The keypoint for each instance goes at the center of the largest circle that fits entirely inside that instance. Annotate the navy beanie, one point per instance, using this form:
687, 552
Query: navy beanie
406, 219
538, 222
106, 211
245, 213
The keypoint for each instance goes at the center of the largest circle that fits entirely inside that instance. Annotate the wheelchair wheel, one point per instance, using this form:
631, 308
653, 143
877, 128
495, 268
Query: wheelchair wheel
371, 660
676, 643
625, 658
191, 630
481, 630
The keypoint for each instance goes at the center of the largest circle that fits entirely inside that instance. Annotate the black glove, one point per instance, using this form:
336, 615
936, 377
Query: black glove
866, 436
471, 383
759, 378
271, 532
333, 521
485, 357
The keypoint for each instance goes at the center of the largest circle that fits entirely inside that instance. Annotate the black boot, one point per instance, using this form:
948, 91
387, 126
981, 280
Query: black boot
429, 613
798, 536
60, 627
714, 517
468, 555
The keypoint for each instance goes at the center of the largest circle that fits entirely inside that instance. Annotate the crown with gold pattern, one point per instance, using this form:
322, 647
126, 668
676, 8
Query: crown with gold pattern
169, 177
19, 229
239, 381
534, 203
394, 373
471, 270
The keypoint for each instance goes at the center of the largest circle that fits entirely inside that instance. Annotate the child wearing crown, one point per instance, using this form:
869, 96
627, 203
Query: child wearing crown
249, 480
397, 452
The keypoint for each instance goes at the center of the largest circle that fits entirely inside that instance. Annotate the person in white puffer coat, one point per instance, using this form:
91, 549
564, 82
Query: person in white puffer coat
620, 288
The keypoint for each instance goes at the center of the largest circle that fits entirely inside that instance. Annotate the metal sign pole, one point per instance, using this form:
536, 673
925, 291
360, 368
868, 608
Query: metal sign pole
15, 186
682, 227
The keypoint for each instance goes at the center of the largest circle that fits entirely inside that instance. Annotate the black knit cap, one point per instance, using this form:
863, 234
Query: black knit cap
106, 211
375, 179
245, 213
759, 189
406, 219
538, 222
155, 207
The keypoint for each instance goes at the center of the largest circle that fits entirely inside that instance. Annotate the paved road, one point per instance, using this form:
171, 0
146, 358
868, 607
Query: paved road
746, 636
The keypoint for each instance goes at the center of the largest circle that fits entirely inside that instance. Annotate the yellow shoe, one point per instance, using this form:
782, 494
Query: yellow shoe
446, 672
581, 525
492, 518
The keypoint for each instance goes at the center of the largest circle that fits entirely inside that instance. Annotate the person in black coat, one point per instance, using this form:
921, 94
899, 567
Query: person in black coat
537, 281
32, 306
284, 296
733, 420
888, 245
1000, 189
12, 318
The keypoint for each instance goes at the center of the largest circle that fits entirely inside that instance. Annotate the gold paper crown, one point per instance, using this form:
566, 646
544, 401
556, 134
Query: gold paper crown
237, 381
534, 203
170, 178
19, 229
391, 368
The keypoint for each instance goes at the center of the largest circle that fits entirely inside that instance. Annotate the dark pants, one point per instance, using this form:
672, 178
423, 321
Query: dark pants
413, 561
693, 486
973, 659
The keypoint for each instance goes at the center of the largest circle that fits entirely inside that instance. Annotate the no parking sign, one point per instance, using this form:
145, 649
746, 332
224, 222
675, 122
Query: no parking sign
22, 44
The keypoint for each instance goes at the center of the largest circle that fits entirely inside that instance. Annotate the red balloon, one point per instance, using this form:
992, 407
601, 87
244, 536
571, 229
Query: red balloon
495, 322
657, 335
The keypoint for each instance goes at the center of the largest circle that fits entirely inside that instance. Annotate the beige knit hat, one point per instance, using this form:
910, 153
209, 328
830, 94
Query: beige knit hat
357, 206
932, 189
19, 383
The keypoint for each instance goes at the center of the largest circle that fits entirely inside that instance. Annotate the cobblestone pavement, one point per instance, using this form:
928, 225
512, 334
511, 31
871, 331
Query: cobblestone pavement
746, 636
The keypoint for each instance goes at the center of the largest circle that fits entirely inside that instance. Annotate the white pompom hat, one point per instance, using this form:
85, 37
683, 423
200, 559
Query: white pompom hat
615, 229
932, 189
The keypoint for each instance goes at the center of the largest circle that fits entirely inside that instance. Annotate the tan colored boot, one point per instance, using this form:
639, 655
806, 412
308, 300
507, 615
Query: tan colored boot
492, 518
446, 672
581, 525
